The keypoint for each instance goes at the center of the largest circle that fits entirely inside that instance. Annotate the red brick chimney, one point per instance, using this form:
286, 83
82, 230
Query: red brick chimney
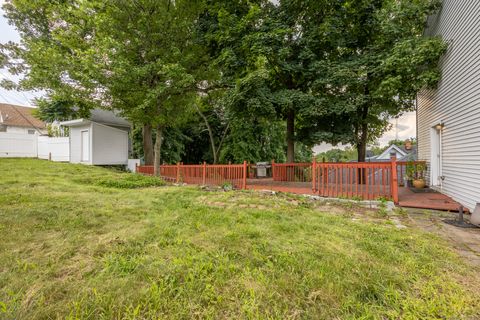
408, 145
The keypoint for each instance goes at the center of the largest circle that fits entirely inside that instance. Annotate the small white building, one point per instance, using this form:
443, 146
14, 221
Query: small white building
102, 139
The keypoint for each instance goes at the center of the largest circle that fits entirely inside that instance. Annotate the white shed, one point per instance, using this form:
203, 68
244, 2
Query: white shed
99, 143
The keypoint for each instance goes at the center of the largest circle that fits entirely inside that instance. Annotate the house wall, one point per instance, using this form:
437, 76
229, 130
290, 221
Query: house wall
456, 102
76, 143
18, 145
23, 130
56, 149
110, 145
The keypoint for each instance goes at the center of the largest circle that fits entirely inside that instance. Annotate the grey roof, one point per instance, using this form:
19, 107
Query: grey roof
107, 117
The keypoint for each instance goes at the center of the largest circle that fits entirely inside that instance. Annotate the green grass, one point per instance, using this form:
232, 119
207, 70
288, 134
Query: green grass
79, 242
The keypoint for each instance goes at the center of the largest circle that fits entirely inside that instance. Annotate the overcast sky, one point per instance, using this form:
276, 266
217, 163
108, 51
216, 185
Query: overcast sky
405, 129
8, 33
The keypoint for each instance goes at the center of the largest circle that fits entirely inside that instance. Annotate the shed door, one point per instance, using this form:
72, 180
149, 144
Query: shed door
85, 146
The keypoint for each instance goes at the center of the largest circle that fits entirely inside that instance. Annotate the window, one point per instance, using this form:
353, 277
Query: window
31, 131
3, 128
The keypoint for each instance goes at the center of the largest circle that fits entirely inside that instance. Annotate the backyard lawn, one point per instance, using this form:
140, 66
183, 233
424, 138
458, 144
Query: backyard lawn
80, 242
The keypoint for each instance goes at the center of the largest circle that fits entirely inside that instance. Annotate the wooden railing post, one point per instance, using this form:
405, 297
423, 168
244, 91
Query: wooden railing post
178, 172
273, 169
204, 173
244, 182
314, 175
394, 180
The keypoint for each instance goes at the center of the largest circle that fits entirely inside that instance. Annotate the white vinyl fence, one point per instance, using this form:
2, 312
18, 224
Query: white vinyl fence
20, 145
55, 149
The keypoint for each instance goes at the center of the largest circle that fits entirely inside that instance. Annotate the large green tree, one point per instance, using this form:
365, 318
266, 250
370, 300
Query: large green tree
381, 59
139, 57
265, 50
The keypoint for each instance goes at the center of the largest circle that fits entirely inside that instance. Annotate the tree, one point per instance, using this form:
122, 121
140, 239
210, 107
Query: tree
59, 110
138, 57
381, 60
265, 50
338, 155
213, 115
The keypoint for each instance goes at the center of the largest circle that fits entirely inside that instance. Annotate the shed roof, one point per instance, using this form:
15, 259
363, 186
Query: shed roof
107, 117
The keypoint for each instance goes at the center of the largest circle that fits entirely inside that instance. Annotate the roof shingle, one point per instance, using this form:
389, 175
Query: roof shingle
19, 116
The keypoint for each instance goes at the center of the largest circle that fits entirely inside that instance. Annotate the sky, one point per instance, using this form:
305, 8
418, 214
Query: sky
24, 98
403, 129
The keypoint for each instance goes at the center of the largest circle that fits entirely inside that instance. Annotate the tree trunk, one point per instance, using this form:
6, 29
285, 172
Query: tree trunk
147, 144
362, 143
291, 136
158, 149
363, 138
362, 151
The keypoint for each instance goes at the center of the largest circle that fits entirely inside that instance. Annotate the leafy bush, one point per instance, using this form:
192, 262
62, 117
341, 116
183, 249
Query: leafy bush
131, 181
125, 181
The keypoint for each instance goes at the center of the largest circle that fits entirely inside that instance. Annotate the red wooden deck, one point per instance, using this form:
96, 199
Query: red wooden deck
371, 180
407, 198
434, 201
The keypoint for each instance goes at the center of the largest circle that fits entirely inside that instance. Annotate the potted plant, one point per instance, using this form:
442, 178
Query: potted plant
410, 173
419, 180
415, 173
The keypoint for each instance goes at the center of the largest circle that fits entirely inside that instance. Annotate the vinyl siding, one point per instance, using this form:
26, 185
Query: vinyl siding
110, 145
456, 101
76, 143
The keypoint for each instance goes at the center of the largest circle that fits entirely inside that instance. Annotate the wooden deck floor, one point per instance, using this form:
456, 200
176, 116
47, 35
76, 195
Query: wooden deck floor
435, 201
407, 198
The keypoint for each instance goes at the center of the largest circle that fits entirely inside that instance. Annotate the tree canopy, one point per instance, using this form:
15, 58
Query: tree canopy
229, 80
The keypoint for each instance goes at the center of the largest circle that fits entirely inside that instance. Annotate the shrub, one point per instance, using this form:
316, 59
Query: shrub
130, 181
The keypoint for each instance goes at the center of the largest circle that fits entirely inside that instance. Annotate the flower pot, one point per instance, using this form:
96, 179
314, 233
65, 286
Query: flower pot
419, 183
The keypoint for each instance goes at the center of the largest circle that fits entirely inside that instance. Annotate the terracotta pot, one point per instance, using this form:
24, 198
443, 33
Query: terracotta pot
419, 183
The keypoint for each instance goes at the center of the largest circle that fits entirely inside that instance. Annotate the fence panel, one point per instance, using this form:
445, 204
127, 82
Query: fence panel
367, 181
222, 174
54, 148
292, 172
201, 174
18, 145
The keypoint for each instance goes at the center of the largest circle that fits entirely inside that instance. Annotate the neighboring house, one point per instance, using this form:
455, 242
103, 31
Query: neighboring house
19, 131
407, 152
18, 119
102, 139
448, 118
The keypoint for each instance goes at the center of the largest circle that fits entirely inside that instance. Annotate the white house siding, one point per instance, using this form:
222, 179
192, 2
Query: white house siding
22, 130
110, 145
456, 102
76, 143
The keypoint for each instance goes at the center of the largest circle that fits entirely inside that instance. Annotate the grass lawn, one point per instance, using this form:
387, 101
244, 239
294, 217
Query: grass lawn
81, 242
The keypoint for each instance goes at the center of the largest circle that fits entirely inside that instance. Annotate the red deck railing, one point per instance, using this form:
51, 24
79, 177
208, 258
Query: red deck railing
293, 172
369, 180
366, 181
205, 174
